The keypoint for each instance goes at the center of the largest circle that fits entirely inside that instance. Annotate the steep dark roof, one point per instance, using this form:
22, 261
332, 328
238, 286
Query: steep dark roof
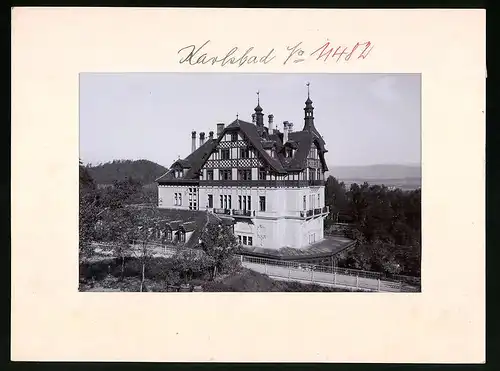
261, 139
191, 221
193, 162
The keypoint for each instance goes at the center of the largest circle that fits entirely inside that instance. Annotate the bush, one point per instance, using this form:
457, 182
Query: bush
97, 270
231, 265
191, 264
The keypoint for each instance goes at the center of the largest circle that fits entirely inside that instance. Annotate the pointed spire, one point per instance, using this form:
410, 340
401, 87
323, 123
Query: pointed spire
258, 108
308, 101
308, 112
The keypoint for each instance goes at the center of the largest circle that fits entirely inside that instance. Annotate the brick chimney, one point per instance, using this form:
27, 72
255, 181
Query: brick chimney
220, 128
202, 138
193, 141
211, 135
285, 131
271, 123
290, 127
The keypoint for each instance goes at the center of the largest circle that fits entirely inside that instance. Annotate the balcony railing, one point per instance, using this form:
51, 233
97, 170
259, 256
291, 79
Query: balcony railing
241, 212
309, 213
317, 211
262, 183
222, 211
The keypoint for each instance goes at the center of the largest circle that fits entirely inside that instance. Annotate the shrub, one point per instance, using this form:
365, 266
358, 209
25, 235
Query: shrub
190, 264
231, 265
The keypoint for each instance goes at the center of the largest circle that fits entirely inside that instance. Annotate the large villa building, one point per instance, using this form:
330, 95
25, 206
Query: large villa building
269, 181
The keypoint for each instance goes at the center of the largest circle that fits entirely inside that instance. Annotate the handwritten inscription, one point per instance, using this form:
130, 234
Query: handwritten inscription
359, 51
295, 53
198, 56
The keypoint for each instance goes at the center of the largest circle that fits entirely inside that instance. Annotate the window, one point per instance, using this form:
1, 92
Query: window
244, 153
319, 197
229, 202
169, 234
313, 152
273, 152
249, 203
262, 173
244, 202
245, 174
239, 239
239, 202
305, 203
234, 137
318, 176
224, 154
177, 199
262, 203
210, 201
225, 174
182, 236
289, 152
225, 202
249, 241
221, 202
210, 175
311, 174
244, 240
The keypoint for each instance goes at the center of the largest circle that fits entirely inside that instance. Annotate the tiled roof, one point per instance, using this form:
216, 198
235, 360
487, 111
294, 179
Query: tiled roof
301, 141
191, 220
193, 162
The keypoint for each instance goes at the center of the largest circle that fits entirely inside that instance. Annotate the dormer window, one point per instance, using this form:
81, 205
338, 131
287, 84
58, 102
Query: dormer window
234, 137
273, 152
289, 153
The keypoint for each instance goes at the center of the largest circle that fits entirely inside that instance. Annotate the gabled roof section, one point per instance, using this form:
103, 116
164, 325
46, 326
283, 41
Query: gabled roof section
193, 163
250, 131
191, 221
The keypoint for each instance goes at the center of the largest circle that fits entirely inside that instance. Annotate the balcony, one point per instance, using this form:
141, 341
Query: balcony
316, 182
262, 183
242, 213
222, 211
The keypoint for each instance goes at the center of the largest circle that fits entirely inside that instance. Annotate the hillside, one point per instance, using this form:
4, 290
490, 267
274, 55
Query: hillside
376, 172
144, 171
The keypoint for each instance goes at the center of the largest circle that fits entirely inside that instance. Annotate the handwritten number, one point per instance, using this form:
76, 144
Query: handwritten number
235, 56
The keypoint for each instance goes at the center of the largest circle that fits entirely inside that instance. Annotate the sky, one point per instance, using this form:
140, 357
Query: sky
365, 119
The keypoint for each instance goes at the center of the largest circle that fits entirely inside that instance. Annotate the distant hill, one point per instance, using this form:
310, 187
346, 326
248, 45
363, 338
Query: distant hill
144, 171
375, 172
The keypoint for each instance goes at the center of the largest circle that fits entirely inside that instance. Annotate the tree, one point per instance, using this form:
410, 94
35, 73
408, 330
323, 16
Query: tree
146, 226
335, 196
118, 227
219, 243
88, 209
191, 262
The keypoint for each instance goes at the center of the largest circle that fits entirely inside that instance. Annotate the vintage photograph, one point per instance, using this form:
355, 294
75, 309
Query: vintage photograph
229, 182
